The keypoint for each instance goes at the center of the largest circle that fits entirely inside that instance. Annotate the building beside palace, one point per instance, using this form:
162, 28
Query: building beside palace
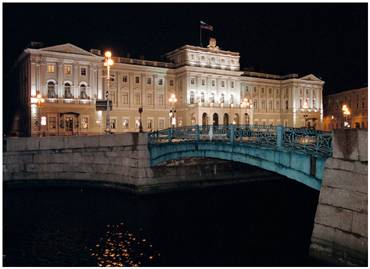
356, 102
208, 83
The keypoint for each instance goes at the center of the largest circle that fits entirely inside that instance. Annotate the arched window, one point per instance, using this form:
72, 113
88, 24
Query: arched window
226, 119
51, 90
246, 118
67, 90
215, 119
236, 119
191, 97
83, 94
204, 119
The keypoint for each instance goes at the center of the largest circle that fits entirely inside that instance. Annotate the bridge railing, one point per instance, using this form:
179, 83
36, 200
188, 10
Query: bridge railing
305, 140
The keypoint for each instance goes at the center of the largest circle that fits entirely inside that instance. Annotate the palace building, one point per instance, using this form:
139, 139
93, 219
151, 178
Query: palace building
59, 87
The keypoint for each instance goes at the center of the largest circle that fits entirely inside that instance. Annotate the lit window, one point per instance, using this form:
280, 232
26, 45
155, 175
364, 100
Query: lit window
52, 123
51, 68
149, 81
83, 71
68, 69
125, 124
137, 80
113, 123
84, 122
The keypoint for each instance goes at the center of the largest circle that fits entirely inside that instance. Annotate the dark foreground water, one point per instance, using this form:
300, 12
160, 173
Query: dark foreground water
252, 224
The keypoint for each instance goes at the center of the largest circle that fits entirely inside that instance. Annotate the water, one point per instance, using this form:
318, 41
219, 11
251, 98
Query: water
254, 224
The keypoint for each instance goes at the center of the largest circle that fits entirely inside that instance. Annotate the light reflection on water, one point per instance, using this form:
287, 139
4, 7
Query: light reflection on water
120, 247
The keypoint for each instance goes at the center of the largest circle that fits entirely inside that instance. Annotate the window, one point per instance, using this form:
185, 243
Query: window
202, 97
270, 105
160, 81
314, 103
150, 123
300, 103
67, 91
231, 99
85, 122
255, 89
125, 124
83, 71
160, 100
213, 83
83, 94
278, 105
51, 90
137, 80
191, 97
212, 98
270, 91
161, 124
137, 123
286, 104
149, 81
232, 84
203, 82
68, 69
171, 82
255, 103
222, 98
192, 82
262, 90
125, 98
51, 68
263, 105
124, 79
137, 99
203, 58
213, 59
113, 123
150, 99
112, 77
222, 83
52, 123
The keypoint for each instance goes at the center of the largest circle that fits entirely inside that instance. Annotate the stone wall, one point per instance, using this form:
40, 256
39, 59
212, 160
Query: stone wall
121, 160
340, 231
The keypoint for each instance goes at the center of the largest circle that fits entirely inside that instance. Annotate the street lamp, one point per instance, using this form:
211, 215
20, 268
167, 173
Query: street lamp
346, 113
108, 62
38, 101
172, 113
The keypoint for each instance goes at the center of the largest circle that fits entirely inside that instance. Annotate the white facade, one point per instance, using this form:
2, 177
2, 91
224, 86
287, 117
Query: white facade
208, 84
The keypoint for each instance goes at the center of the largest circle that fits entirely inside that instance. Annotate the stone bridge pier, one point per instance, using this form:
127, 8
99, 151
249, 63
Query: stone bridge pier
340, 233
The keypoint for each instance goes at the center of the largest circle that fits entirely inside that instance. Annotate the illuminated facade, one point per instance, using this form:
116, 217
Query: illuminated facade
356, 103
209, 86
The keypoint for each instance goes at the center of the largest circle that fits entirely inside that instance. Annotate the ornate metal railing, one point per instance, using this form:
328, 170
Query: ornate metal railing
308, 141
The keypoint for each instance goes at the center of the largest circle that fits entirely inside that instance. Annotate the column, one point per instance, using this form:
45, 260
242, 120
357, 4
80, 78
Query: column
60, 80
100, 83
76, 92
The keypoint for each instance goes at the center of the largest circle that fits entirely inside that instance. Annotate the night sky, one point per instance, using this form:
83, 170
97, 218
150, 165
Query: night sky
328, 40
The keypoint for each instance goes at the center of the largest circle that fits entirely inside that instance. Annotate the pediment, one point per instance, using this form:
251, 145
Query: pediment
310, 77
68, 48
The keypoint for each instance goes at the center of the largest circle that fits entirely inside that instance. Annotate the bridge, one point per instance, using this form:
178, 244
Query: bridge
297, 153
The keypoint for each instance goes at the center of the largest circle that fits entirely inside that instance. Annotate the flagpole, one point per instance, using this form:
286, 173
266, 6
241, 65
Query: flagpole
200, 36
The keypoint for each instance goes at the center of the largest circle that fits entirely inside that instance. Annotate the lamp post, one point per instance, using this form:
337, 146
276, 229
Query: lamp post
172, 113
140, 122
346, 114
248, 105
38, 101
108, 62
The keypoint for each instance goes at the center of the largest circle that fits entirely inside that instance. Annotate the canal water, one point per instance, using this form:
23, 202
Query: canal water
265, 223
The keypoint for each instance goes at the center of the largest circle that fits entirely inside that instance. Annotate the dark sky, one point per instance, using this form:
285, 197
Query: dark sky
328, 40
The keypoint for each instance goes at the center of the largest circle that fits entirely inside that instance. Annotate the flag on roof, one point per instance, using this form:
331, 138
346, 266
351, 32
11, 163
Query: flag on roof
206, 26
